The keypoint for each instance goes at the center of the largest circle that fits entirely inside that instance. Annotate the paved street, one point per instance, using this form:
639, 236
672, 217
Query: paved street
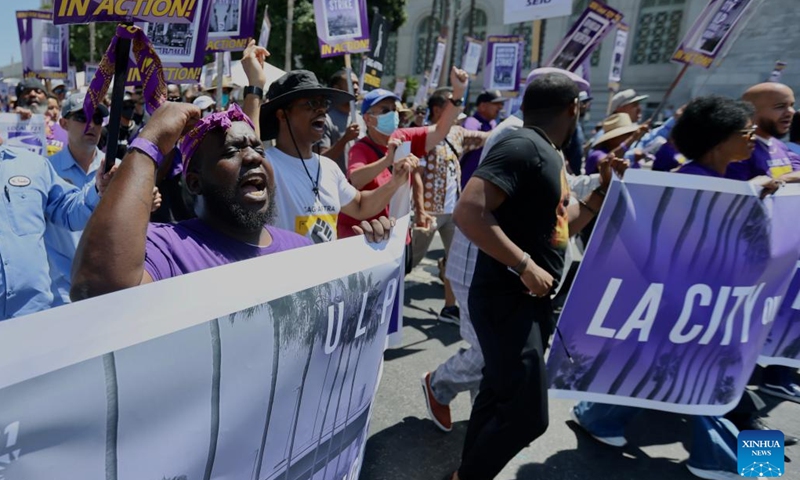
405, 445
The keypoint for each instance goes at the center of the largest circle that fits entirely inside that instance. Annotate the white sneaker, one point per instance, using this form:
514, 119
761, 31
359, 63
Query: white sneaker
712, 474
787, 392
618, 442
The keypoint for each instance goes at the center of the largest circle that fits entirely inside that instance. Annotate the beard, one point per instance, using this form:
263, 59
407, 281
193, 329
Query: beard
771, 128
35, 108
222, 202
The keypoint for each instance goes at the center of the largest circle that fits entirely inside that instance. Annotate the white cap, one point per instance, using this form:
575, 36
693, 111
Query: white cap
625, 97
203, 102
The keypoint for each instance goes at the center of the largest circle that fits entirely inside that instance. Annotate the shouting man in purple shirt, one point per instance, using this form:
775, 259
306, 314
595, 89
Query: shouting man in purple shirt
233, 188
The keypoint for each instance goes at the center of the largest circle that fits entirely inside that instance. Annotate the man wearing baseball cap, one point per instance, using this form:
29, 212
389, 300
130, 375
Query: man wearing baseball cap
76, 164
628, 101
31, 98
487, 107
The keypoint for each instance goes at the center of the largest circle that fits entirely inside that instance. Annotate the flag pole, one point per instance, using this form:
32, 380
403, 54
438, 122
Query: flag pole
669, 91
122, 52
348, 66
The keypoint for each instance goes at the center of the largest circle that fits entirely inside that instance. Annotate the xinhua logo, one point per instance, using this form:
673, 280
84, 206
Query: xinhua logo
760, 453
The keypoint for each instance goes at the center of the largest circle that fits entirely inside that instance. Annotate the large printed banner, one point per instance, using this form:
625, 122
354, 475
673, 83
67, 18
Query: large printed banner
516, 11
180, 47
682, 280
163, 11
585, 35
209, 375
503, 62
232, 23
341, 27
704, 41
28, 135
783, 343
45, 46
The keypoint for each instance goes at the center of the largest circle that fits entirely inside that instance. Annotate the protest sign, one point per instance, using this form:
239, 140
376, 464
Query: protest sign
240, 379
618, 57
28, 135
180, 47
438, 62
472, 55
90, 70
232, 24
585, 35
163, 11
342, 27
44, 45
373, 62
713, 27
517, 11
266, 28
400, 87
503, 62
783, 344
677, 292
71, 82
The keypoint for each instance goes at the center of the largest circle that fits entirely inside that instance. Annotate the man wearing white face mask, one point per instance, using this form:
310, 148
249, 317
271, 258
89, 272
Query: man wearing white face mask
370, 158
205, 104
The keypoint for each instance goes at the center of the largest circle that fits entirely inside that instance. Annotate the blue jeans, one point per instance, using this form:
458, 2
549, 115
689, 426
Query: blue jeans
713, 438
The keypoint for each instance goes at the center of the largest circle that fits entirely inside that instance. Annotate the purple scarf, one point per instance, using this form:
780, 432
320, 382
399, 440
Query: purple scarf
148, 62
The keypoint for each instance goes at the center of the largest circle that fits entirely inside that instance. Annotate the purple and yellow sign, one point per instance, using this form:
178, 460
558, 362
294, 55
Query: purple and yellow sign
585, 35
232, 23
44, 45
342, 27
157, 11
703, 43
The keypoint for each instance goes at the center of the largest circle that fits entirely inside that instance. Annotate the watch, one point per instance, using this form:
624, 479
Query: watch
252, 90
458, 103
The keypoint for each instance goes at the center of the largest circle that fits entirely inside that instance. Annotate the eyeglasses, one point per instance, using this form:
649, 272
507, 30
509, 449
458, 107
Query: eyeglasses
80, 117
316, 104
748, 132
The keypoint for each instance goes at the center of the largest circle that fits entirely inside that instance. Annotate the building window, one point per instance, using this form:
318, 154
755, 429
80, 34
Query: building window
426, 44
526, 31
390, 62
658, 31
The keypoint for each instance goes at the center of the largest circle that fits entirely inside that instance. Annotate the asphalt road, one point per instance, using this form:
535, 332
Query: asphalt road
405, 445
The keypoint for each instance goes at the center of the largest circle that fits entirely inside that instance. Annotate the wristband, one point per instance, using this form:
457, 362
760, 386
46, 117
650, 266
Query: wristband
148, 148
252, 90
520, 266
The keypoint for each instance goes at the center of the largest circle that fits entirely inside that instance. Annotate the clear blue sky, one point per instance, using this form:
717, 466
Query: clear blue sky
9, 35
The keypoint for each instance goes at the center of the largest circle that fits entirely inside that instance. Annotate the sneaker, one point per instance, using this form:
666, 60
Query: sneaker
790, 391
450, 314
618, 442
757, 423
712, 474
438, 413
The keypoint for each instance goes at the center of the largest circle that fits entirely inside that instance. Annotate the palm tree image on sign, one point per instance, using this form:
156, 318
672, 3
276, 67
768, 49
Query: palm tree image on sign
281, 390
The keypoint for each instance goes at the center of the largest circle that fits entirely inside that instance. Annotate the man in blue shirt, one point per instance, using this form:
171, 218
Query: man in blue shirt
33, 192
77, 164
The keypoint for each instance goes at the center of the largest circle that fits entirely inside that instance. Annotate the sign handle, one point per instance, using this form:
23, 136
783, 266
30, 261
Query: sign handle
348, 66
220, 81
123, 51
669, 91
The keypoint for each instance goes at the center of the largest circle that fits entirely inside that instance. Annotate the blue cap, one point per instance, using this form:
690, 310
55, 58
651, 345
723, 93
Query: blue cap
376, 96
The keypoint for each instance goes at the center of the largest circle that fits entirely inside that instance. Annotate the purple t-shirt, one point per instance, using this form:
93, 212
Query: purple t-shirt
596, 155
469, 162
772, 160
190, 246
694, 168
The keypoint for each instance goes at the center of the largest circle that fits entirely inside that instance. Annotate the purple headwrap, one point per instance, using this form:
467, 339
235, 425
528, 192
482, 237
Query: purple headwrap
148, 63
219, 120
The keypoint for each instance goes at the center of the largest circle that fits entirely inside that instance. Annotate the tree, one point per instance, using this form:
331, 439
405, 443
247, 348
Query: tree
305, 48
79, 42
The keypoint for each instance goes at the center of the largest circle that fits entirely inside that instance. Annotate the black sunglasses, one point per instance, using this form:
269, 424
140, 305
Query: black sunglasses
316, 104
80, 117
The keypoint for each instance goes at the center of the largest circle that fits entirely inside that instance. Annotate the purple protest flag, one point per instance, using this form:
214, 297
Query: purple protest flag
155, 89
232, 24
585, 35
503, 62
676, 295
44, 45
342, 27
159, 11
712, 29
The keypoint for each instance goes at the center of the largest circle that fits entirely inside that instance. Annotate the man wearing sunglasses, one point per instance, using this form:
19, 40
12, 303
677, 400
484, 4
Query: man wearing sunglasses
311, 189
76, 164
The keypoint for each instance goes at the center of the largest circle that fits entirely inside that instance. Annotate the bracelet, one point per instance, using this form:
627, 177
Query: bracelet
587, 207
253, 90
148, 148
521, 265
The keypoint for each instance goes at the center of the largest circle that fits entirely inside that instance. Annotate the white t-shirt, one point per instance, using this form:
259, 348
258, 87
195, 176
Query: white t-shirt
298, 208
